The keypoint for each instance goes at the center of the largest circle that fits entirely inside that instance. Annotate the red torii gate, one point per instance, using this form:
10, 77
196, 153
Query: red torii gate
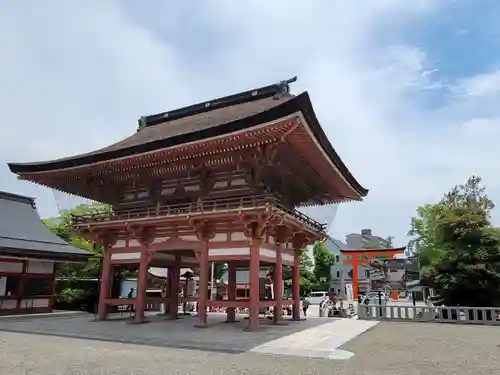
352, 257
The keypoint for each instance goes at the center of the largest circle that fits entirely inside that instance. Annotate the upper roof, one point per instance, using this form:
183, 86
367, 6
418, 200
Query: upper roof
202, 121
22, 233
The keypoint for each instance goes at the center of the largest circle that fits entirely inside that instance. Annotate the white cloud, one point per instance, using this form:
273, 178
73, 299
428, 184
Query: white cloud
481, 85
75, 77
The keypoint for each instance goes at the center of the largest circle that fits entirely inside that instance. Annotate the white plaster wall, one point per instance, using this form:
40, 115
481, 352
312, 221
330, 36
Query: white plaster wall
11, 267
40, 267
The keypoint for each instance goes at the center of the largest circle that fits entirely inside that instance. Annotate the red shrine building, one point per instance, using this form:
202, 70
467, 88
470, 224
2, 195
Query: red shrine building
218, 181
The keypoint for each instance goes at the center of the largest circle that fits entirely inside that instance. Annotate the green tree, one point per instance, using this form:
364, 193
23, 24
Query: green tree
458, 248
307, 280
389, 242
425, 243
219, 270
62, 226
323, 260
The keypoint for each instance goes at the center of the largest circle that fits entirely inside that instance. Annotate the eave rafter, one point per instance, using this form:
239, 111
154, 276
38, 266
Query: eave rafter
258, 151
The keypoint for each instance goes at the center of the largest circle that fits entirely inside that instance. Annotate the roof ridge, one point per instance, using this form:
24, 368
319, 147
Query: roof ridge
17, 198
276, 90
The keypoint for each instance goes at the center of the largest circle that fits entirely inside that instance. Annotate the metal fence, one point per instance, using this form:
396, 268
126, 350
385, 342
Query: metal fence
457, 315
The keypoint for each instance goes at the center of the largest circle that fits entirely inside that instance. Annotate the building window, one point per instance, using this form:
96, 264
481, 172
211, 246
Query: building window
338, 273
35, 286
367, 273
337, 258
9, 285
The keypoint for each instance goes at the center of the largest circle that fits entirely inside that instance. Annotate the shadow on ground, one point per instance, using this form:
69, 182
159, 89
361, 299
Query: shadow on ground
162, 332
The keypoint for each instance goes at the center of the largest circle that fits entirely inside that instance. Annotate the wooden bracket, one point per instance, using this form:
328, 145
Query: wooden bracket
300, 240
282, 233
145, 234
204, 230
106, 238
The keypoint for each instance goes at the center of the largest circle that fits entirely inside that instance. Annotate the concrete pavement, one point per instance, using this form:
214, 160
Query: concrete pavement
319, 342
387, 348
180, 333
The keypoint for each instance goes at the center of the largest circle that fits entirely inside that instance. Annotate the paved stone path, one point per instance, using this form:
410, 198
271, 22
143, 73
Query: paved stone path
387, 348
219, 336
318, 342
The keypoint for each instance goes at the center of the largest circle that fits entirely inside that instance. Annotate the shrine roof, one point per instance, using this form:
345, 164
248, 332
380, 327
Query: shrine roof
22, 233
202, 121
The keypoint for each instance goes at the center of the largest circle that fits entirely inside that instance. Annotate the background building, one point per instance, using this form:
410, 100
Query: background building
365, 240
389, 274
29, 254
341, 273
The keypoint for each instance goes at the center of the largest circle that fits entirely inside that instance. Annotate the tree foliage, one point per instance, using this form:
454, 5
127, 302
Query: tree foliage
307, 280
324, 259
389, 242
458, 248
62, 226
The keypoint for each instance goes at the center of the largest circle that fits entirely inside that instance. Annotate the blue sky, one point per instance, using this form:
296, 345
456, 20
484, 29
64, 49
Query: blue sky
407, 92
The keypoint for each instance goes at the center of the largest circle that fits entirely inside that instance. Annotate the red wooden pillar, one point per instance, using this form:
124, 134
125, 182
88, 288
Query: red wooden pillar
253, 319
168, 292
102, 308
355, 278
174, 288
201, 320
296, 285
22, 284
278, 285
140, 305
231, 292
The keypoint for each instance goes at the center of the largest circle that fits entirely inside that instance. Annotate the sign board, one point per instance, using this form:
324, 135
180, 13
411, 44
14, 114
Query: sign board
349, 291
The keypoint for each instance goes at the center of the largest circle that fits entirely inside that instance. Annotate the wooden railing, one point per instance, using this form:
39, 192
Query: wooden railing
192, 208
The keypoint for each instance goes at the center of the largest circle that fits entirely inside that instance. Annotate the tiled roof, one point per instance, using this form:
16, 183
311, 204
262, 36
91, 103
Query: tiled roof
22, 232
213, 118
334, 245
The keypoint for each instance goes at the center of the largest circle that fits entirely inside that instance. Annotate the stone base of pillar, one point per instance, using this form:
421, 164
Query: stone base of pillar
139, 321
253, 329
101, 317
230, 315
281, 323
277, 319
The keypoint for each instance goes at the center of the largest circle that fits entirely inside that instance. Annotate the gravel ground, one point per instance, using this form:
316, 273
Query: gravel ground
389, 348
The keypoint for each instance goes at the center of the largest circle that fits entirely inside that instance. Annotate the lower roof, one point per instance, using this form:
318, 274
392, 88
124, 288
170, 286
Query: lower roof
22, 232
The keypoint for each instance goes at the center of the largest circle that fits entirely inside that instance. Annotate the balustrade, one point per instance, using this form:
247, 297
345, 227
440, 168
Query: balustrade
199, 207
441, 314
